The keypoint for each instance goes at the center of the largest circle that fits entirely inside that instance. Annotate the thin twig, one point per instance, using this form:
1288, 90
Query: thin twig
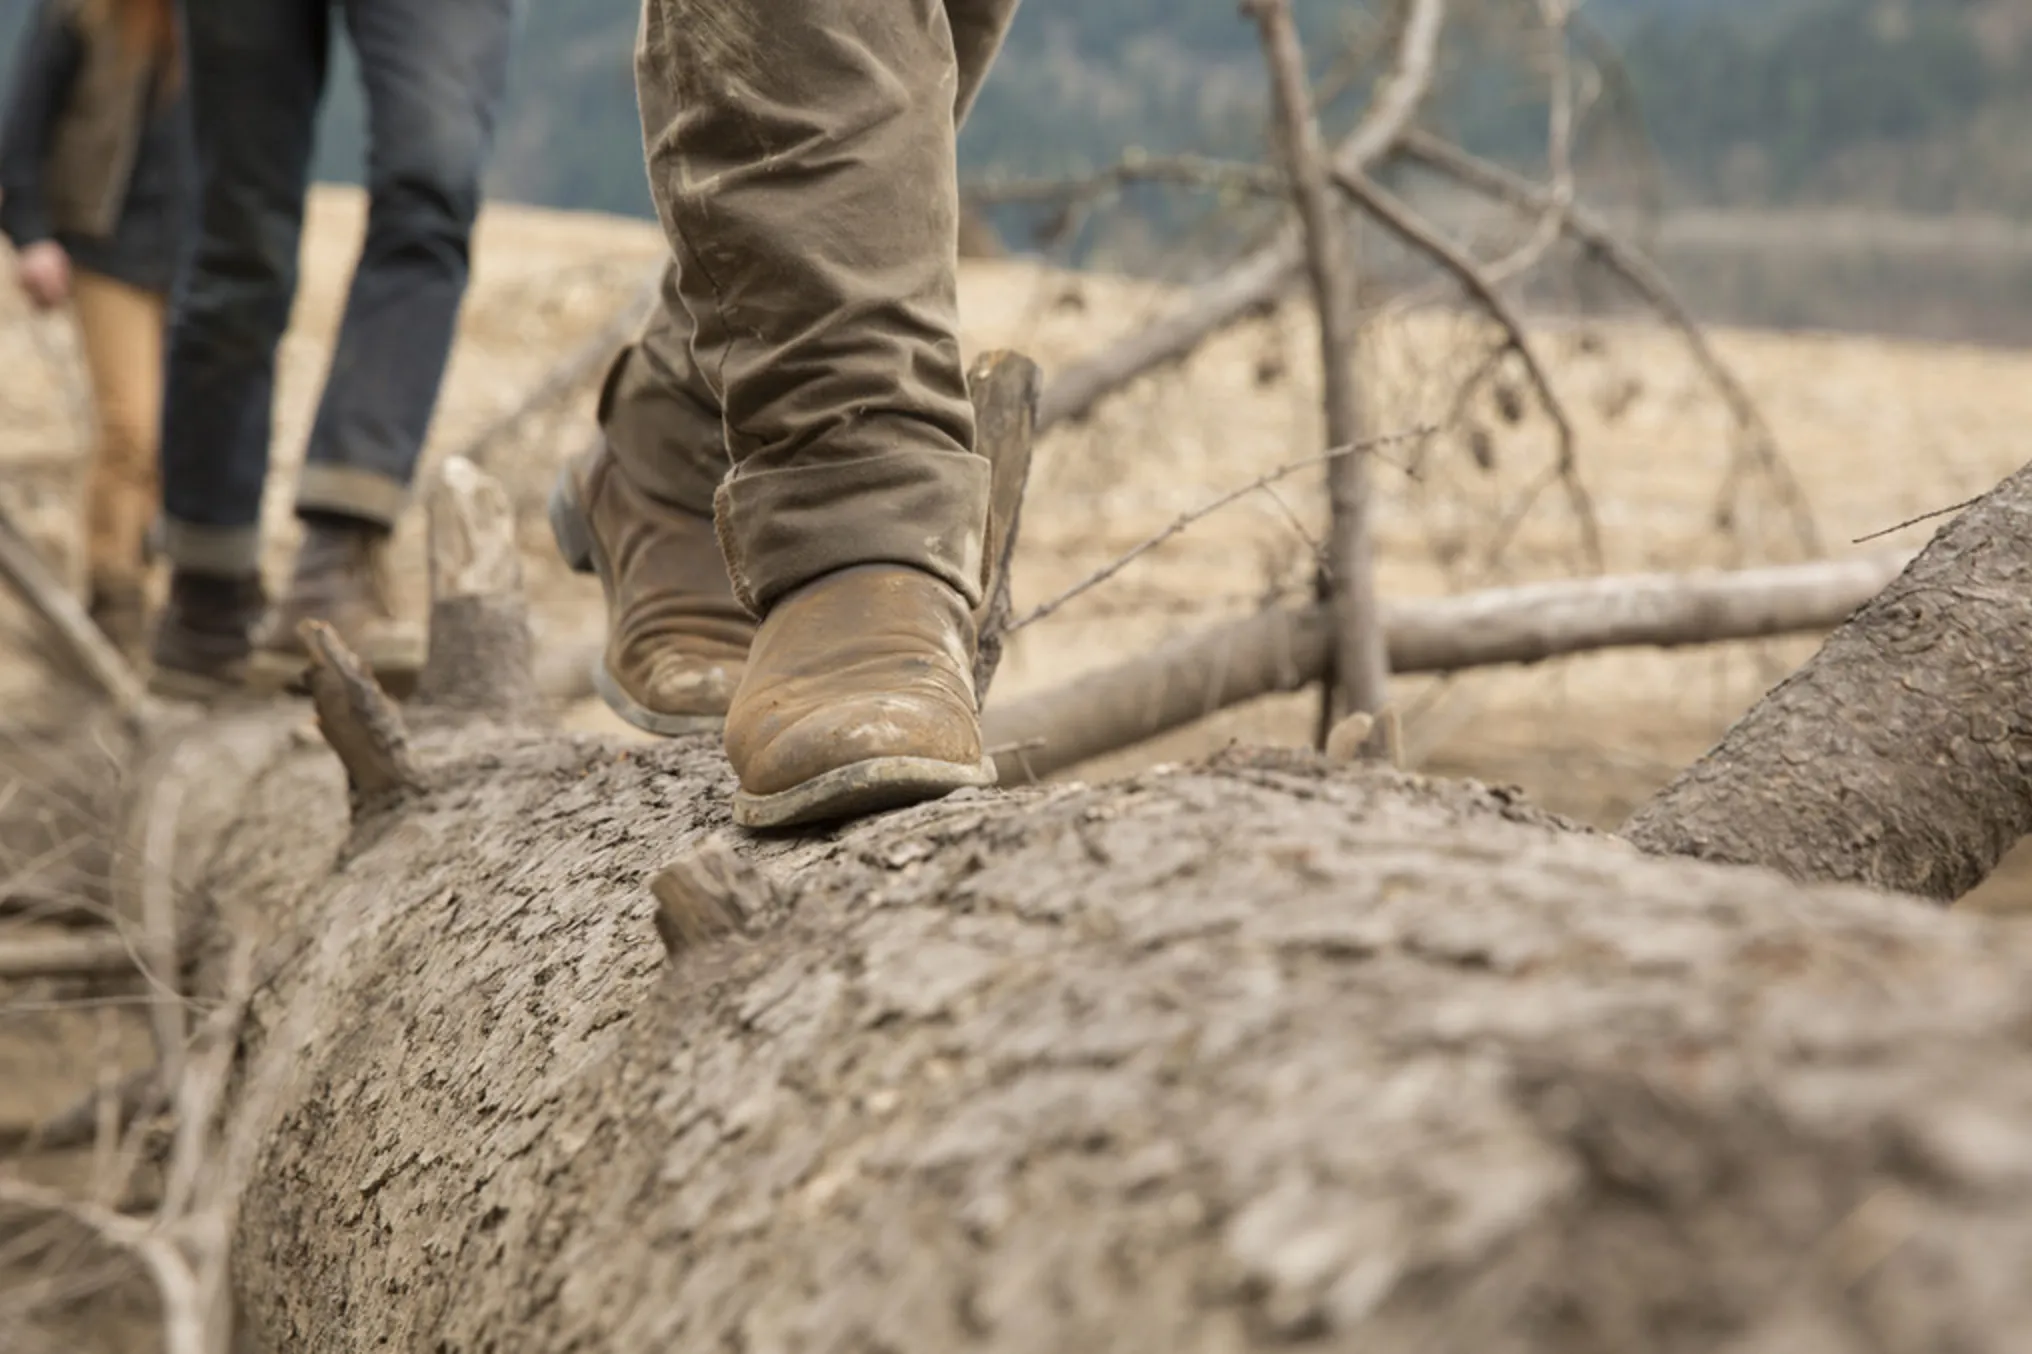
1257, 280
1107, 571
65, 957
84, 641
1397, 216
1915, 521
1644, 277
137, 1095
183, 1311
203, 1086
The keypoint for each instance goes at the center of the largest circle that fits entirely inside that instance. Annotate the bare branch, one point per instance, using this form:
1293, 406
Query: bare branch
81, 639
1003, 386
88, 956
184, 1318
568, 374
1258, 280
1285, 649
480, 648
1399, 219
358, 720
1360, 675
137, 1095
1644, 277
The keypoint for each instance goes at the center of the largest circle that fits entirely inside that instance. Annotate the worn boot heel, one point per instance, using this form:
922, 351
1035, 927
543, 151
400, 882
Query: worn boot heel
569, 527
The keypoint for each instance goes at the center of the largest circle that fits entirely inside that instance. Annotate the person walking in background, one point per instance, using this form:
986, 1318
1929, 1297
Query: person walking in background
94, 174
433, 72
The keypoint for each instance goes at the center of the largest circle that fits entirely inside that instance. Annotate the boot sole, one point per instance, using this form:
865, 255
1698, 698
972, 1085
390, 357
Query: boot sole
863, 788
580, 548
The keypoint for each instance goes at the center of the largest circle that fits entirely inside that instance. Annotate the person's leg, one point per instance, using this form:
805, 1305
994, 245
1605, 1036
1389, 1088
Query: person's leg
637, 509
801, 156
978, 27
256, 70
433, 76
120, 332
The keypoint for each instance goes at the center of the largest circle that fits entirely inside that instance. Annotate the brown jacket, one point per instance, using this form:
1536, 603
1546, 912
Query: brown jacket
92, 150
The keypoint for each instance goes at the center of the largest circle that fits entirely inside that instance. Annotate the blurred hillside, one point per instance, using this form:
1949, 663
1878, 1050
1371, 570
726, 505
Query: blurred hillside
1917, 105
1861, 106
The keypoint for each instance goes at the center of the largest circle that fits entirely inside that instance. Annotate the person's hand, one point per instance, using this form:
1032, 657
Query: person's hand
44, 271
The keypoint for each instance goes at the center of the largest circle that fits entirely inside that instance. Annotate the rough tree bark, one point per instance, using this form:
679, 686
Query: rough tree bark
1901, 755
1261, 1054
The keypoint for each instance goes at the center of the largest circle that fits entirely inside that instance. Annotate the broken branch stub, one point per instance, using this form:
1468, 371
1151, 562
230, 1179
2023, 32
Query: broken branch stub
480, 648
1004, 388
707, 894
358, 720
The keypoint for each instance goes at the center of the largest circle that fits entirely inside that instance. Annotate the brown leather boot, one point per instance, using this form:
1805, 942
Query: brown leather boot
341, 578
118, 605
204, 636
859, 697
677, 641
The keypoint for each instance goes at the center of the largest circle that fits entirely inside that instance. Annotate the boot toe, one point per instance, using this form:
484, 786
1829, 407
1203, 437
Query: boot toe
870, 727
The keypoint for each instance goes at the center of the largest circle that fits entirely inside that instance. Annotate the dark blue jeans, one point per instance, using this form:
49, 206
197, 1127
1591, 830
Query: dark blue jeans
433, 72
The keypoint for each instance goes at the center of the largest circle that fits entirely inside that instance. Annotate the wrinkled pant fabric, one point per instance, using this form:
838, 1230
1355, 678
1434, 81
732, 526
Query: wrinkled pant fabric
801, 378
434, 74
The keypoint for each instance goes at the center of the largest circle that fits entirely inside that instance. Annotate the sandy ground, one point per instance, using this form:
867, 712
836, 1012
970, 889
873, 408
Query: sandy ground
1876, 432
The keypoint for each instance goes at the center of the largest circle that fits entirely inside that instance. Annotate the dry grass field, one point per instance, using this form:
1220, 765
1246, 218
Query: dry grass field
1875, 431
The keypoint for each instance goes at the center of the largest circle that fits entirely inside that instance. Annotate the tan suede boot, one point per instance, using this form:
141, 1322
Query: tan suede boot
677, 641
340, 578
859, 697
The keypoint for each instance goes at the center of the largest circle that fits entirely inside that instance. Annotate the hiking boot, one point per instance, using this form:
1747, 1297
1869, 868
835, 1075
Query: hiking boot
341, 578
859, 697
205, 635
677, 640
119, 607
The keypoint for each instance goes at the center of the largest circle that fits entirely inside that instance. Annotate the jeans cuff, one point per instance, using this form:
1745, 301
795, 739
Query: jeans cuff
352, 492
780, 529
224, 552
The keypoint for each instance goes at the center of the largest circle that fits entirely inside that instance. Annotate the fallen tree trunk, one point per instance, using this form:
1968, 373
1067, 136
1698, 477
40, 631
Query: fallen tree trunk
1901, 755
541, 1055
1284, 650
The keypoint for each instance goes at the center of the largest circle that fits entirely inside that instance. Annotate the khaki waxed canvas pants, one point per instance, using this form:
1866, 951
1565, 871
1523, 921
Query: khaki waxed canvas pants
801, 155
120, 331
